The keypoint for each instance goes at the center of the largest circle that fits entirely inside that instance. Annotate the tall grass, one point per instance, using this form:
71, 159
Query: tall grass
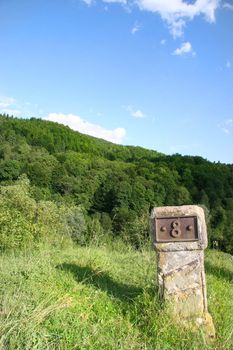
101, 298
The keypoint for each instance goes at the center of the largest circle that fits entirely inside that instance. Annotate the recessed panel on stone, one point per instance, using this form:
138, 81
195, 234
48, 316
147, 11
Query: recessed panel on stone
173, 229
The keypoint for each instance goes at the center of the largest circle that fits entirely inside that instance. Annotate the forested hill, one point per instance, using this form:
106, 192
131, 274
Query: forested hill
59, 138
115, 185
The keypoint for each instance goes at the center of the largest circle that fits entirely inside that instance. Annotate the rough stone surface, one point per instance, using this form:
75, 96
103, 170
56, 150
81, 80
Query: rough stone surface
181, 274
182, 281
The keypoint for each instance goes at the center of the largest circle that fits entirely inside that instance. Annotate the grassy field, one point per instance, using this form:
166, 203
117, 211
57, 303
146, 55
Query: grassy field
101, 298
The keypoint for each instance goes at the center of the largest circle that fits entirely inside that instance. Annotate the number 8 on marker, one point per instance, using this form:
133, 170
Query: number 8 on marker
176, 231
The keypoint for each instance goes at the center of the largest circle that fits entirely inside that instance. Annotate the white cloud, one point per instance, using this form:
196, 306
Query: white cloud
78, 124
8, 105
228, 6
226, 131
183, 49
136, 28
123, 2
177, 12
136, 113
88, 2
228, 64
10, 111
176, 27
6, 102
227, 126
174, 12
229, 122
163, 42
11, 106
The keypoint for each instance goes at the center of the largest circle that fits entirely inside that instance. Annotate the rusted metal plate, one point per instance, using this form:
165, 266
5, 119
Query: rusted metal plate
176, 229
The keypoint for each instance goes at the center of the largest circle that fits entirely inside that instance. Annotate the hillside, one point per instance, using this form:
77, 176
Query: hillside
72, 211
114, 186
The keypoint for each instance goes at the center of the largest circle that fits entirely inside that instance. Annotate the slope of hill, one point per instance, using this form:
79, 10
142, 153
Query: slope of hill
114, 185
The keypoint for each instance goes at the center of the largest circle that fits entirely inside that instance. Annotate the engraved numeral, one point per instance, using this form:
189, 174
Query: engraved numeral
176, 231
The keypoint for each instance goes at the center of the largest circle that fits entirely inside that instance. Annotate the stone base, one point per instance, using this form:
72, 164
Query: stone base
182, 282
207, 325
203, 323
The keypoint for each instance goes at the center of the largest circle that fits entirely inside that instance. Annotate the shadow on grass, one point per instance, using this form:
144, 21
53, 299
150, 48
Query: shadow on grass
219, 272
88, 276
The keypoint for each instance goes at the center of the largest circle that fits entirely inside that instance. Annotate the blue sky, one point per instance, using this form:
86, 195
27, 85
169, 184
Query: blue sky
153, 73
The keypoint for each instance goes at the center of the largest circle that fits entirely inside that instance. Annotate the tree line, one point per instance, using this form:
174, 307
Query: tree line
113, 186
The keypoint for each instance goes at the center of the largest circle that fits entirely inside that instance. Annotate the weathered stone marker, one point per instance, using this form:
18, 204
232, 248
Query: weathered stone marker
179, 238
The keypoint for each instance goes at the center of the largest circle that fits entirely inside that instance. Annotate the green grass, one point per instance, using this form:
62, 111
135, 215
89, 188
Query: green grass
101, 298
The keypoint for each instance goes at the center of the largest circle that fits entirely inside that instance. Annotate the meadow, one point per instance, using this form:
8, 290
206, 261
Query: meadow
101, 297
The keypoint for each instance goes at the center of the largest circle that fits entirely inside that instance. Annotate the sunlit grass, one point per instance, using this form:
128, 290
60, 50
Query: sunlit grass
101, 298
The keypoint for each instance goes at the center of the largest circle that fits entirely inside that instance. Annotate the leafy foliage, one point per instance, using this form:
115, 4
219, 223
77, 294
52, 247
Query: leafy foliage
23, 220
116, 186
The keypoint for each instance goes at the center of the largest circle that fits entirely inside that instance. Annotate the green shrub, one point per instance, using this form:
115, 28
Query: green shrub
24, 220
15, 230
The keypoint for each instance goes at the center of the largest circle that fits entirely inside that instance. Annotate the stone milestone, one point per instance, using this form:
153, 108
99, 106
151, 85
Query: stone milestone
179, 237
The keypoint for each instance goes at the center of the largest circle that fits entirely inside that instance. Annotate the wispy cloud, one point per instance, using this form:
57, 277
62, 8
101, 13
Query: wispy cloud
228, 64
176, 13
8, 105
228, 6
184, 49
123, 2
78, 124
11, 106
136, 113
6, 101
136, 27
227, 126
163, 42
88, 2
11, 111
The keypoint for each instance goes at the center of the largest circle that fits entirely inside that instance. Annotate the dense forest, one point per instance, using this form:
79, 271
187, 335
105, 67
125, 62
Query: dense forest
87, 188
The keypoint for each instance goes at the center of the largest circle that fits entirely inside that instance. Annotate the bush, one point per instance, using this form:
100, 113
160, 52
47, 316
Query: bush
15, 230
24, 220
